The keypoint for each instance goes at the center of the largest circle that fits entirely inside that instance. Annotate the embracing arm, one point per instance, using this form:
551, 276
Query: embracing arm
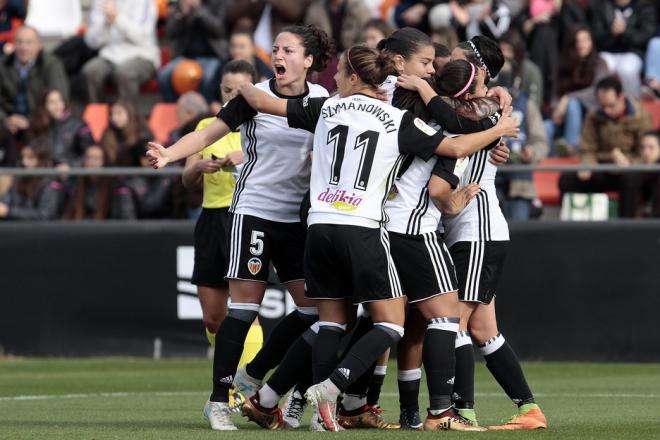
465, 145
262, 101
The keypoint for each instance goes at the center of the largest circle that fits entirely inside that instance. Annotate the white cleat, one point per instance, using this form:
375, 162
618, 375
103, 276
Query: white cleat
245, 384
325, 402
294, 409
219, 416
316, 424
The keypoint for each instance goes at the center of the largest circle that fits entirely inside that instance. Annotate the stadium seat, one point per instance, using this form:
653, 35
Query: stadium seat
96, 116
547, 182
653, 107
162, 120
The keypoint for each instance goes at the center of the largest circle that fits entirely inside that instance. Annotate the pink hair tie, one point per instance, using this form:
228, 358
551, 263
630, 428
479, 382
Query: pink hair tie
469, 83
348, 58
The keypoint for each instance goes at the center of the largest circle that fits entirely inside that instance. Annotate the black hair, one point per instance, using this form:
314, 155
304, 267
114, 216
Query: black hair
488, 54
405, 42
316, 43
410, 100
240, 66
441, 51
455, 76
610, 83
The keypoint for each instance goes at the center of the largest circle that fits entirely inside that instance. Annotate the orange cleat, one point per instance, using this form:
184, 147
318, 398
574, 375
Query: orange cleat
531, 419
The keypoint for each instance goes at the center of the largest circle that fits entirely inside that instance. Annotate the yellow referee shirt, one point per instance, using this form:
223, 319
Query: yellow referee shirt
219, 186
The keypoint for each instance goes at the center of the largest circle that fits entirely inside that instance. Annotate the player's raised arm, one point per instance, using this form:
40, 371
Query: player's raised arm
191, 143
262, 101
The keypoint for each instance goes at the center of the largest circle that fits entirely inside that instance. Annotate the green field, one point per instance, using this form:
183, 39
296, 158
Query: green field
117, 398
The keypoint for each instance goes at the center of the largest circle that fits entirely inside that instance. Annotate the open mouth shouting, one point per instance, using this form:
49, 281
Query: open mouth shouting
280, 70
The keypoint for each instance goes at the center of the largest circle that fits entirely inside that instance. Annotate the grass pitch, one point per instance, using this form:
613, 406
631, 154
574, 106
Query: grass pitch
117, 398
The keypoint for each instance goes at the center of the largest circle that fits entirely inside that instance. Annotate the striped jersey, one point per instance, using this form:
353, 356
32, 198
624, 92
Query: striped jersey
275, 173
359, 144
482, 219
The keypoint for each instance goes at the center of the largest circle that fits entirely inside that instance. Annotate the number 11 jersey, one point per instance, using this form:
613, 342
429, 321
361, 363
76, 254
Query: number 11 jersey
359, 143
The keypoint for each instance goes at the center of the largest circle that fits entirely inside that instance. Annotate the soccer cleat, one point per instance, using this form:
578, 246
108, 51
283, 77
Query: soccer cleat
268, 418
325, 403
469, 414
236, 399
316, 424
294, 409
246, 384
450, 421
367, 417
218, 416
533, 418
409, 419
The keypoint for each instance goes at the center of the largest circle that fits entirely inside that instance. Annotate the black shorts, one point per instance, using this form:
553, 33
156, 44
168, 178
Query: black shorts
478, 267
349, 262
211, 248
255, 242
424, 264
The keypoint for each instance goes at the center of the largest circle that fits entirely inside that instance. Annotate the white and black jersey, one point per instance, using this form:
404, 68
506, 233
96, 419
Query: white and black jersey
275, 174
482, 220
359, 144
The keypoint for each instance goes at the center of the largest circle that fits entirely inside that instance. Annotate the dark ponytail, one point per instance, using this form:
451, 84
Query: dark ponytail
370, 65
316, 43
405, 42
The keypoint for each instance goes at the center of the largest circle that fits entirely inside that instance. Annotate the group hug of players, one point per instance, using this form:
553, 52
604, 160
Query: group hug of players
383, 196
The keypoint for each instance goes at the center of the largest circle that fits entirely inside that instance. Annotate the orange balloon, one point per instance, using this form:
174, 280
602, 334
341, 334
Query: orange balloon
162, 8
187, 76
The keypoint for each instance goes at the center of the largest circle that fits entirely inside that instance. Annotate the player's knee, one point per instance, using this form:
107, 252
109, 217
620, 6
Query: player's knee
394, 331
212, 323
481, 334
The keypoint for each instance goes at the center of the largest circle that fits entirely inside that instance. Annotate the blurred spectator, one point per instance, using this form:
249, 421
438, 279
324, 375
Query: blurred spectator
544, 24
98, 197
8, 156
375, 30
621, 30
189, 106
151, 196
342, 20
24, 77
652, 74
267, 18
124, 31
530, 147
446, 36
580, 68
67, 135
490, 18
33, 198
126, 129
611, 134
442, 56
241, 47
527, 75
10, 11
55, 20
414, 13
650, 182
198, 31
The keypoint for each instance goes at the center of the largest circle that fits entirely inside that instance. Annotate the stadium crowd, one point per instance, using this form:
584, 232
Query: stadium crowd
584, 75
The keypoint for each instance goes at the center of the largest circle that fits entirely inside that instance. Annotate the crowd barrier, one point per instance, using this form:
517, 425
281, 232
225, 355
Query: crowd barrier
569, 291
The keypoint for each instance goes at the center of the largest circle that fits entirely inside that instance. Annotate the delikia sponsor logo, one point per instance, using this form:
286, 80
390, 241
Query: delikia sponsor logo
340, 200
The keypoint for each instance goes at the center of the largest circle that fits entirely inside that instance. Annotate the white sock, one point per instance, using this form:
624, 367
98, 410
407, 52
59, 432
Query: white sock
351, 402
436, 412
331, 388
268, 398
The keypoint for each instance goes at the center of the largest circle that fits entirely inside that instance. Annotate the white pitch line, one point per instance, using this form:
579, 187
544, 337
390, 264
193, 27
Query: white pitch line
196, 393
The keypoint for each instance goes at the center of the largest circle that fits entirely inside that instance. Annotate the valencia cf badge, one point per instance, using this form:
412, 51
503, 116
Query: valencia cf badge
254, 265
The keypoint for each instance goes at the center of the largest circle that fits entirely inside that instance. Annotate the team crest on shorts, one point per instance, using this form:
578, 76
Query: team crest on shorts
254, 265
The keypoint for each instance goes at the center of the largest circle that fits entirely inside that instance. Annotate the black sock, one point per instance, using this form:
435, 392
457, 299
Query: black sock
409, 381
361, 386
362, 326
228, 349
296, 364
440, 360
463, 395
279, 341
324, 352
505, 368
375, 385
365, 353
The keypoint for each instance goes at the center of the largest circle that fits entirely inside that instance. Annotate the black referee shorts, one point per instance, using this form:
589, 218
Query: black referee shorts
211, 248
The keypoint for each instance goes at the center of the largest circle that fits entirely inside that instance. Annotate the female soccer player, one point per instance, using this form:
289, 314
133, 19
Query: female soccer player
265, 223
478, 239
349, 187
